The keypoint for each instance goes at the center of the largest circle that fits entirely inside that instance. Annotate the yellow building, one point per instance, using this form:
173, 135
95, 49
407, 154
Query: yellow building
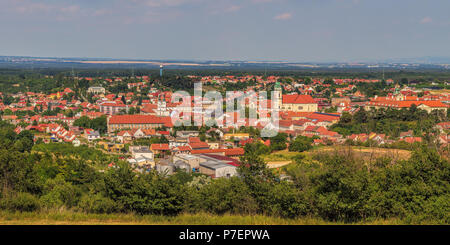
236, 136
295, 102
112, 147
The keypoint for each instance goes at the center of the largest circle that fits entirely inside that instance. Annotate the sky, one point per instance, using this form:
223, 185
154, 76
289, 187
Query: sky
256, 30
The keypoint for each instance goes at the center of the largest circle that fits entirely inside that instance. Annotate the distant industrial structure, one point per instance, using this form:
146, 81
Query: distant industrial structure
161, 70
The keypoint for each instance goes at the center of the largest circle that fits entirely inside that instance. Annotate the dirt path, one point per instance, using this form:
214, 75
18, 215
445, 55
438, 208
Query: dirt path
278, 164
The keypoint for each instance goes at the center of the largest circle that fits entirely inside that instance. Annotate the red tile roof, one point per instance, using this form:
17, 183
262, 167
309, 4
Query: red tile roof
184, 148
411, 139
228, 152
199, 145
160, 147
298, 99
137, 119
407, 104
194, 140
113, 104
285, 123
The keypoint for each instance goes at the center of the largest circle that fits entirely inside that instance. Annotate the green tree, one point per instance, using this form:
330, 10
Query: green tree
301, 144
279, 142
17, 172
360, 116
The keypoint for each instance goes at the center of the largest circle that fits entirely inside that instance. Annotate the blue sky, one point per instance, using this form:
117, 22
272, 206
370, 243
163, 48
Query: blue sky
275, 30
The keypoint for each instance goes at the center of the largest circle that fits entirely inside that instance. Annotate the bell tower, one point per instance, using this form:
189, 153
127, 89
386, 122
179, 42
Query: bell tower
278, 93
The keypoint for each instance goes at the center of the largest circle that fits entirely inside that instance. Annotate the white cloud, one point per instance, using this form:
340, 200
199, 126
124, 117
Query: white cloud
220, 9
30, 8
70, 9
284, 16
233, 8
101, 12
261, 1
166, 3
426, 20
33, 8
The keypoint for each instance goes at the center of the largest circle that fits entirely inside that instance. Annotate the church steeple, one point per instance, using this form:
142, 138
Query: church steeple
278, 94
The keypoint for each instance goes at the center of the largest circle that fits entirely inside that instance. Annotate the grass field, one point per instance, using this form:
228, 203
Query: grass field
284, 157
77, 218
366, 153
442, 91
280, 158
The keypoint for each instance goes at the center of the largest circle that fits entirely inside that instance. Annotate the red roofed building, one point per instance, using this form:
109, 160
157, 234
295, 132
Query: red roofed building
182, 149
194, 140
161, 133
120, 122
234, 152
299, 103
159, 148
199, 146
92, 114
411, 139
443, 126
405, 102
285, 125
149, 109
227, 160
112, 107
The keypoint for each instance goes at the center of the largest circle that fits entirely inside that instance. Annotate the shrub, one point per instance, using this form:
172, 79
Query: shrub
22, 201
58, 192
287, 201
300, 144
143, 193
227, 196
97, 203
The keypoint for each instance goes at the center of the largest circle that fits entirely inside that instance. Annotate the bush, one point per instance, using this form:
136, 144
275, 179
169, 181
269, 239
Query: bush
59, 193
146, 193
227, 196
287, 201
22, 201
97, 203
301, 144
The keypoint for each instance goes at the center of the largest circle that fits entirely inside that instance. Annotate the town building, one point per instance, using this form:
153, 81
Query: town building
96, 90
113, 107
122, 122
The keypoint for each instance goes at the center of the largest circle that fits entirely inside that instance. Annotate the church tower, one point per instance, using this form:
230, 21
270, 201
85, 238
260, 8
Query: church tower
278, 93
162, 106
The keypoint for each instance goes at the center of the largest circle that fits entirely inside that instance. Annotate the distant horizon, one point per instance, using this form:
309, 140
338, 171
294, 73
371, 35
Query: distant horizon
379, 61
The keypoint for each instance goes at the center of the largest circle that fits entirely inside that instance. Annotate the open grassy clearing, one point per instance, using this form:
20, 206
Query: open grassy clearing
365, 153
285, 157
78, 218
441, 91
280, 156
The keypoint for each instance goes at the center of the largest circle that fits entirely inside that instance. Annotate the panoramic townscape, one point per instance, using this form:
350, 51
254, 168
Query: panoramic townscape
83, 129
134, 124
234, 115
